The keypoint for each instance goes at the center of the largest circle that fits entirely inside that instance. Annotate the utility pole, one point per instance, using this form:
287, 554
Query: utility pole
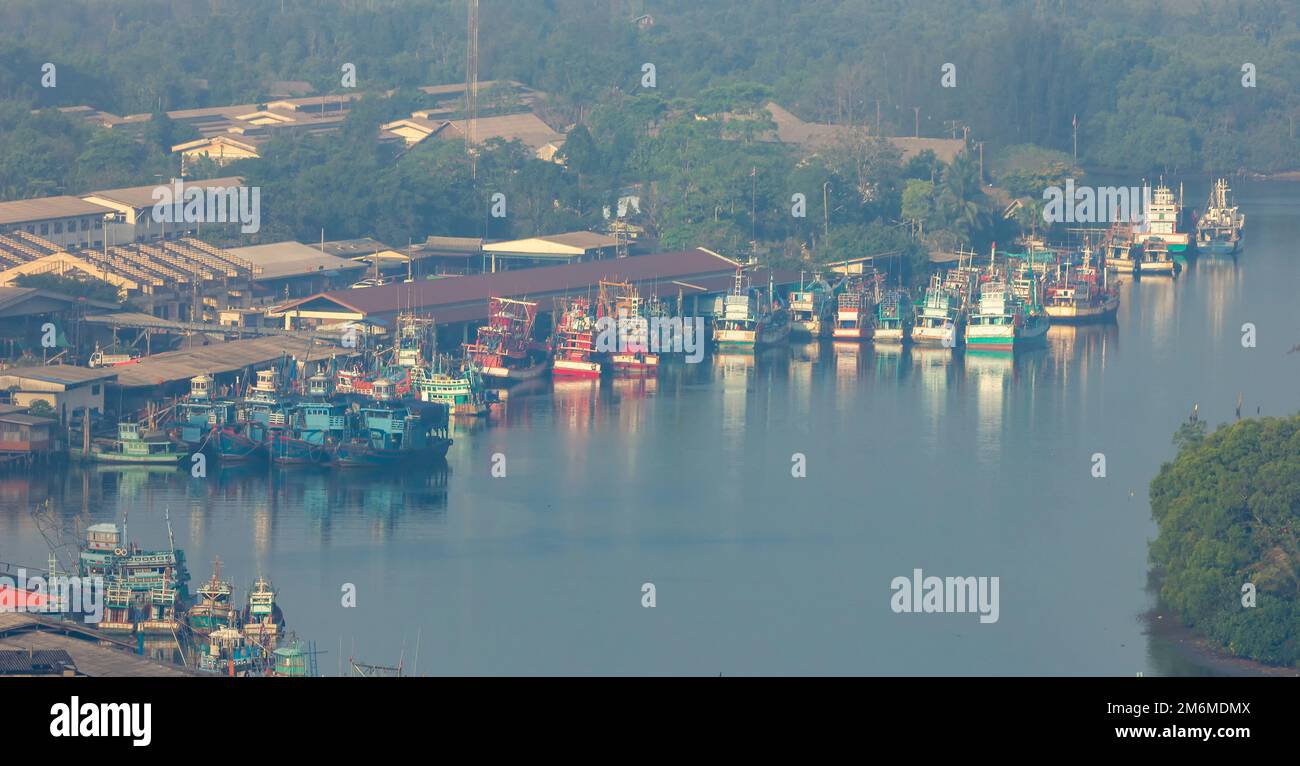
471, 88
826, 210
877, 119
1074, 130
916, 130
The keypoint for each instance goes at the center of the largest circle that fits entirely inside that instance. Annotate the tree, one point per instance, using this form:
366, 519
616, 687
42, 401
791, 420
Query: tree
1227, 556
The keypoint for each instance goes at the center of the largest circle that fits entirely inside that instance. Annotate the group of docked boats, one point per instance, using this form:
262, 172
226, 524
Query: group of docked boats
146, 593
1001, 307
1161, 244
589, 338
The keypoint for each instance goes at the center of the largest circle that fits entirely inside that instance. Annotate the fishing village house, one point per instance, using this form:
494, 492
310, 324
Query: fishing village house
66, 389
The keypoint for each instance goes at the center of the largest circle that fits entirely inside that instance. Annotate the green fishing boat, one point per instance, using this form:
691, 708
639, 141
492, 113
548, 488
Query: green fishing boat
130, 446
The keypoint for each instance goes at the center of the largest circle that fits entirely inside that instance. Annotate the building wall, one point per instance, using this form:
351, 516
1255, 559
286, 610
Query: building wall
67, 404
65, 232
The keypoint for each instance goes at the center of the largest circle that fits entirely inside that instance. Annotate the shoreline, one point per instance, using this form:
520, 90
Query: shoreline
1200, 651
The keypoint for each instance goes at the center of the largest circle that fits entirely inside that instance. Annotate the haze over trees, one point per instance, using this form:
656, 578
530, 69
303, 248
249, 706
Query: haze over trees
1155, 87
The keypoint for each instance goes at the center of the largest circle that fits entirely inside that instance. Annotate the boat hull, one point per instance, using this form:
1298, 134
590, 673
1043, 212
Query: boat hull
938, 337
1082, 314
355, 455
1004, 339
1218, 247
896, 336
98, 456
852, 334
810, 328
514, 374
574, 368
286, 450
634, 363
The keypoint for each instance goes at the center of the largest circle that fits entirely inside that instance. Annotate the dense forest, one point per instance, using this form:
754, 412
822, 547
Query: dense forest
1228, 510
1155, 86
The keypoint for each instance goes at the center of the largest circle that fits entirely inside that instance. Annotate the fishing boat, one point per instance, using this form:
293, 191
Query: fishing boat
262, 619
308, 433
462, 391
854, 312
940, 316
812, 309
260, 410
894, 318
751, 319
504, 350
228, 651
145, 591
574, 340
1163, 245
630, 353
1002, 321
131, 446
199, 415
213, 609
1081, 293
389, 433
1219, 230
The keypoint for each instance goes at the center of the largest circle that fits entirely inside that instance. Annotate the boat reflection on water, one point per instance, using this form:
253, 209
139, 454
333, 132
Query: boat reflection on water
1078, 347
576, 402
892, 361
993, 377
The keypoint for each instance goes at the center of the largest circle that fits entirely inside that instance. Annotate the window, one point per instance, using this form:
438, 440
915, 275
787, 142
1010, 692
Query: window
58, 227
45, 228
94, 390
85, 224
31, 229
99, 224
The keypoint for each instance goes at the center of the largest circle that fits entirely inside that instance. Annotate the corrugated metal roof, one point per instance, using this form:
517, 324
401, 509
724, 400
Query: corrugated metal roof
428, 295
14, 661
465, 299
65, 374
291, 259
217, 358
48, 209
142, 196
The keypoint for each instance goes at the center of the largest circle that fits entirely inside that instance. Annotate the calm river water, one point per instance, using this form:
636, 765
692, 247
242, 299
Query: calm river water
959, 467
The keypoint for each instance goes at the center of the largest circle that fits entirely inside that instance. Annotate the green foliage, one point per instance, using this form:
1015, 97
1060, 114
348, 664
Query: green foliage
40, 409
1228, 512
94, 289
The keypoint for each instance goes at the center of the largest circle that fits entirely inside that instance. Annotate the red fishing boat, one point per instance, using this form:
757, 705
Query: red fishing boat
632, 354
574, 340
504, 349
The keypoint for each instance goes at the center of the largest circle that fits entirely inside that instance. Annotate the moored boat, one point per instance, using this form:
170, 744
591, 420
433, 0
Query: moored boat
812, 309
212, 608
751, 319
504, 350
894, 318
262, 619
132, 445
620, 303
1002, 321
940, 316
1219, 230
1081, 293
854, 312
574, 340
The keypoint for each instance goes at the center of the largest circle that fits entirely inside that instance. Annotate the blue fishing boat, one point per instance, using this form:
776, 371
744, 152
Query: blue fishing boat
200, 415
260, 411
387, 431
309, 434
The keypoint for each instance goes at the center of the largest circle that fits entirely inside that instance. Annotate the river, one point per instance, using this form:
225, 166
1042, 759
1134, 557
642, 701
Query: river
974, 466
